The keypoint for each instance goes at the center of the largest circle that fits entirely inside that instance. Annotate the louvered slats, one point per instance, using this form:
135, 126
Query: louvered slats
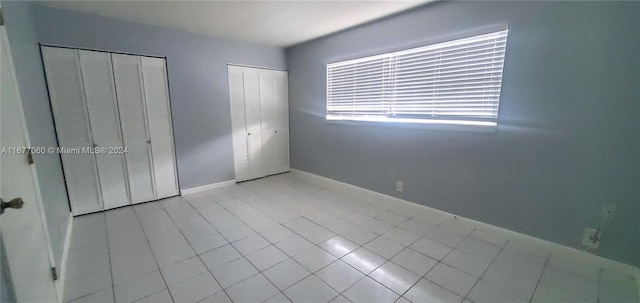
459, 80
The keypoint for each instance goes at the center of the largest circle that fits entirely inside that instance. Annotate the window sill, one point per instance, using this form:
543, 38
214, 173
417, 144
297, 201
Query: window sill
446, 125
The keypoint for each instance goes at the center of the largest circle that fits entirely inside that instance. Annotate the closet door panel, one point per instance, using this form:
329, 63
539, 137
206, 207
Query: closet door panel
133, 119
62, 71
238, 123
105, 126
268, 122
253, 116
281, 104
157, 101
267, 101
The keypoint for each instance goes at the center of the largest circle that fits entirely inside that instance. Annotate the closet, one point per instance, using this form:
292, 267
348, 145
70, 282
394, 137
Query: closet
260, 121
113, 124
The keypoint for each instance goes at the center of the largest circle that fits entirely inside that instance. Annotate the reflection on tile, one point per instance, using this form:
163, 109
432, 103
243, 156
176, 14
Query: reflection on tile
339, 275
394, 277
363, 260
262, 240
338, 246
427, 291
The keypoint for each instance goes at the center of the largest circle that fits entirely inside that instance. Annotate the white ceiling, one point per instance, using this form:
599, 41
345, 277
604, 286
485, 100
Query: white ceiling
280, 23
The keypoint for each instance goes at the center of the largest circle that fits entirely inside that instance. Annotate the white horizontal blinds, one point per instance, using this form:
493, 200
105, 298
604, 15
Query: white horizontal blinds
67, 101
128, 79
105, 126
238, 123
157, 100
455, 80
459, 79
358, 87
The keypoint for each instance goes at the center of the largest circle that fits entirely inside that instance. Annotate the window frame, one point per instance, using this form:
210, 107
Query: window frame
442, 122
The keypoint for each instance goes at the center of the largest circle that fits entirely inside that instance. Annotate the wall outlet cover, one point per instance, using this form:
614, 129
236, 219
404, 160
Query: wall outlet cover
587, 238
400, 186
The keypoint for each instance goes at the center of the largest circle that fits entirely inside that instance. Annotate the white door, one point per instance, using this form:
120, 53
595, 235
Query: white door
238, 123
62, 68
133, 118
259, 121
270, 125
23, 231
253, 114
154, 75
281, 103
105, 128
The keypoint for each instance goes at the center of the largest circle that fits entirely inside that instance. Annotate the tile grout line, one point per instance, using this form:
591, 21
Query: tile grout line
152, 253
486, 269
196, 253
243, 256
437, 261
600, 271
258, 233
314, 244
546, 262
108, 253
113, 285
386, 260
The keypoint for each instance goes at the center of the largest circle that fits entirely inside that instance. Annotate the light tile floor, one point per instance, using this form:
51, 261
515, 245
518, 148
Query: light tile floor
287, 238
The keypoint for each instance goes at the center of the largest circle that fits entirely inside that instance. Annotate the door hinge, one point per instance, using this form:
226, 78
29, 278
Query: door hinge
30, 157
1, 16
54, 273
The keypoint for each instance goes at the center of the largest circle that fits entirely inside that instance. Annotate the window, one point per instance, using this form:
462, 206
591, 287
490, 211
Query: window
455, 82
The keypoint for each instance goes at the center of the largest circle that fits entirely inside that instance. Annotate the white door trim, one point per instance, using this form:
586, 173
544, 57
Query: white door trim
43, 219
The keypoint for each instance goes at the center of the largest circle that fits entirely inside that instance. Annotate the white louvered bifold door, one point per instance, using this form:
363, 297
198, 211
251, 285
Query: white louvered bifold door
281, 101
72, 127
238, 125
269, 122
133, 119
156, 92
253, 115
100, 95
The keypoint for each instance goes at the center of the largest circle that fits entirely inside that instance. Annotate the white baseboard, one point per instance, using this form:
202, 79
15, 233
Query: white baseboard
202, 188
63, 263
551, 246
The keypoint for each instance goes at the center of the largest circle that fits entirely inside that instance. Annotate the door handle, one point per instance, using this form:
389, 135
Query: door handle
16, 203
249, 134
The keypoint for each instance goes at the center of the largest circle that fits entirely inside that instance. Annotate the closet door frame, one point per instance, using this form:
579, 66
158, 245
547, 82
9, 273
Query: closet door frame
242, 68
175, 155
65, 169
125, 167
170, 116
168, 92
146, 124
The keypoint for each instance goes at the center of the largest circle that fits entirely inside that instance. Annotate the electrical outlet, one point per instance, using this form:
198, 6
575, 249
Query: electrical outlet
588, 238
399, 186
608, 211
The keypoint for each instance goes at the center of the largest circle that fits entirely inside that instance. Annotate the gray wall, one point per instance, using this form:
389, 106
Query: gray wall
21, 30
197, 80
569, 122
